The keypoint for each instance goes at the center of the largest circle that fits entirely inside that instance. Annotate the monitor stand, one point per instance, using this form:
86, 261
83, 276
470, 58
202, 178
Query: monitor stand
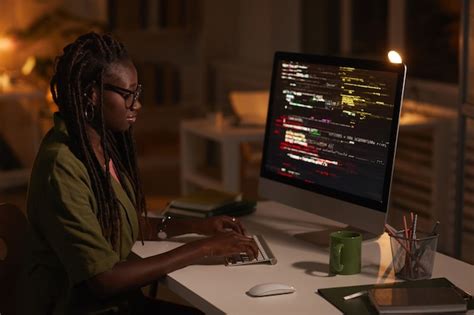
322, 238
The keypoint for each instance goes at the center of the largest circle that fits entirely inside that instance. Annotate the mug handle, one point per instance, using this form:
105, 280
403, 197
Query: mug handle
337, 257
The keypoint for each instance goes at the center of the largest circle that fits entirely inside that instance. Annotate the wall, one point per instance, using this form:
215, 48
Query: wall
20, 13
267, 26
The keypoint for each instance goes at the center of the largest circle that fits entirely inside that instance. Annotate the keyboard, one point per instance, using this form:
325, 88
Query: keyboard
265, 255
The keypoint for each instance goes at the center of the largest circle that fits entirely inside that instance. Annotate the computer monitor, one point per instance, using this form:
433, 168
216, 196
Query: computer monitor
331, 136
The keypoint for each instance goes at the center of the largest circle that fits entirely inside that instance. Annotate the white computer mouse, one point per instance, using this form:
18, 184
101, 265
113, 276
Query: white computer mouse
266, 289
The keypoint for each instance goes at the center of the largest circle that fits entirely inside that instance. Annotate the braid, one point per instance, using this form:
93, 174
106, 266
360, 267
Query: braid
126, 141
82, 65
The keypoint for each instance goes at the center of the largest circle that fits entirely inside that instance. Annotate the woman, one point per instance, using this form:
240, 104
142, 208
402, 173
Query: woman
85, 203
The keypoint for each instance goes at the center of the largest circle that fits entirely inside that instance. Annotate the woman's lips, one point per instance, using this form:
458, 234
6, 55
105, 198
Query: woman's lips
132, 119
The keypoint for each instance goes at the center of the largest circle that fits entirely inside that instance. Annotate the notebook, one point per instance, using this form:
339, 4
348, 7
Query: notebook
205, 200
437, 300
235, 209
362, 304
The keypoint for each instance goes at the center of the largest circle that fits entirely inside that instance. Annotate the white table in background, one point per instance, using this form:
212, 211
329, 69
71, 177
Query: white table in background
216, 289
194, 134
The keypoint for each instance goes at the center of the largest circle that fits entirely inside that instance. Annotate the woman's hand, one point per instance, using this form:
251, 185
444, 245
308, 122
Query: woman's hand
220, 224
227, 244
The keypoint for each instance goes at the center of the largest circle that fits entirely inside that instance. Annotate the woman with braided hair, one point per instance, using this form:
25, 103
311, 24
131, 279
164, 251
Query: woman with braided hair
85, 204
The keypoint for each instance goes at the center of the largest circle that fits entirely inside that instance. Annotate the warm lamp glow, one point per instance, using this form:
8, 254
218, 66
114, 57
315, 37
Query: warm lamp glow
49, 96
6, 44
394, 57
28, 66
5, 83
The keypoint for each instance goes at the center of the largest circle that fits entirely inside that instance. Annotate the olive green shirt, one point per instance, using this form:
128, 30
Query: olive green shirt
66, 245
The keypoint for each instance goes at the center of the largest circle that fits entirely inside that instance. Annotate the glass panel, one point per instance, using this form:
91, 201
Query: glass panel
432, 39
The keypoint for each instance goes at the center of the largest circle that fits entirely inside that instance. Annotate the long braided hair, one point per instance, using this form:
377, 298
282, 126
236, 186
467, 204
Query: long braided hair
82, 66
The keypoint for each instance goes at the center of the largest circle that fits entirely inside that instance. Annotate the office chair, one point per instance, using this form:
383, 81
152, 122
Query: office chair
13, 228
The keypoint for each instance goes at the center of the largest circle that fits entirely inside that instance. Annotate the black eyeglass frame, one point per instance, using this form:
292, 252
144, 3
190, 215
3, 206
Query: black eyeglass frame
125, 93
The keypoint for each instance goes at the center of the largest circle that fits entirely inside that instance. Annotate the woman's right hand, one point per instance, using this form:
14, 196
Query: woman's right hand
229, 243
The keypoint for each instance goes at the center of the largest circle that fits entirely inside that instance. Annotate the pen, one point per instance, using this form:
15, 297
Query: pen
415, 221
354, 295
435, 227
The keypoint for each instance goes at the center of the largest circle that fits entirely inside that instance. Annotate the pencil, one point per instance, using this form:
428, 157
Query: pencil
405, 225
390, 228
413, 241
407, 244
408, 255
435, 227
413, 233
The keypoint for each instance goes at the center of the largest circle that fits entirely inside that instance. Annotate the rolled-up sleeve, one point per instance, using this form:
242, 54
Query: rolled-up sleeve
71, 226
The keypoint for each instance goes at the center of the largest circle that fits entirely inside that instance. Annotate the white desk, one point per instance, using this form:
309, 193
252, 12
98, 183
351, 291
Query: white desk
216, 289
194, 133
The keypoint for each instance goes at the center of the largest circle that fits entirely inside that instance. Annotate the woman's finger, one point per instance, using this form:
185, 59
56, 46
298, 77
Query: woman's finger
248, 241
251, 251
234, 224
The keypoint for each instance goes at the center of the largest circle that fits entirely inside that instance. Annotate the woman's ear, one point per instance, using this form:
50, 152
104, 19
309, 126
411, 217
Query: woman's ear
93, 96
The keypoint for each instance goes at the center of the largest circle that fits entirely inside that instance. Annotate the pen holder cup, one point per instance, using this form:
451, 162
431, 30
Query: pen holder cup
413, 259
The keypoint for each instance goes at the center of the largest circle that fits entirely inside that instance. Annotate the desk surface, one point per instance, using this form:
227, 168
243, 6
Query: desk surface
217, 289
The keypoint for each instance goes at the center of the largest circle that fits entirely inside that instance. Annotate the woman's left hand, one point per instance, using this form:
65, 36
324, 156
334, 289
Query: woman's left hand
220, 224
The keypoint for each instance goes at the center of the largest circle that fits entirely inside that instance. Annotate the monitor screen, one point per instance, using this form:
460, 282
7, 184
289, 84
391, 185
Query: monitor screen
332, 127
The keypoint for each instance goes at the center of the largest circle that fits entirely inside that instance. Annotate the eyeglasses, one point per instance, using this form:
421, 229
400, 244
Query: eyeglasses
129, 96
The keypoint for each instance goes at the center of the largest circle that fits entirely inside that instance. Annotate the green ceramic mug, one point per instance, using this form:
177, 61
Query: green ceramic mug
345, 252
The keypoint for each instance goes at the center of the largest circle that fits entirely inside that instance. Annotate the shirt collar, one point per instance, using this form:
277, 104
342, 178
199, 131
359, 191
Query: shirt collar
59, 124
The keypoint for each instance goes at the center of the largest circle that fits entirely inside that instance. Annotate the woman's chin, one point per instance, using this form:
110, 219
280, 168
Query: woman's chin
122, 128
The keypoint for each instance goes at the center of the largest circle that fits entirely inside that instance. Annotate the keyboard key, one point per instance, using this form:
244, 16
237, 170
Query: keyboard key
264, 255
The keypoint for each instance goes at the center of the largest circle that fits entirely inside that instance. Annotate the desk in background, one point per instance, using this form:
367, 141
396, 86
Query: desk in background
216, 289
195, 133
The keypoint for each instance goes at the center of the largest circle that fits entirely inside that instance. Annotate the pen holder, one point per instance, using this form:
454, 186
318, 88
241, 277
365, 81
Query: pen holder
413, 259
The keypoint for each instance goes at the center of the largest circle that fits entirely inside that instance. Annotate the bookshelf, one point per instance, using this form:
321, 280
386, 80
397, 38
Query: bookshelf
163, 37
20, 107
153, 14
171, 55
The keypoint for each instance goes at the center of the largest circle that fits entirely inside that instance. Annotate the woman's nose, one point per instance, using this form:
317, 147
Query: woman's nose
137, 106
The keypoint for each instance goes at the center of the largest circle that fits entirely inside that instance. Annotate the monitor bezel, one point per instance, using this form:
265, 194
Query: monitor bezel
399, 69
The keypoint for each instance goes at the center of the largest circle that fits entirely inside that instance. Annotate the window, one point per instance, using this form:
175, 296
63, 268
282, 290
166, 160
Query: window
369, 28
432, 39
426, 32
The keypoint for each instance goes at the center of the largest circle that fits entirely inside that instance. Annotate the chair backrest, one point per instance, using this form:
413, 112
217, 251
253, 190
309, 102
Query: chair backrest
13, 231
